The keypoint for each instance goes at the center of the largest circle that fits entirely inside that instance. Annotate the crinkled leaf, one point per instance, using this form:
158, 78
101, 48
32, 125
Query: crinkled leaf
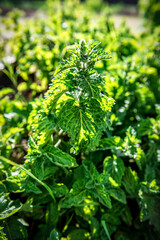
130, 182
96, 184
58, 157
73, 199
38, 167
102, 194
117, 193
110, 143
30, 186
76, 196
83, 121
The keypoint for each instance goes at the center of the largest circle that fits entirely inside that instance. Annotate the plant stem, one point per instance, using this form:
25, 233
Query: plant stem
105, 228
30, 174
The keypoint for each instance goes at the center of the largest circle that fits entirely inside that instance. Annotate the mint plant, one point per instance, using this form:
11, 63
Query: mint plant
76, 106
76, 101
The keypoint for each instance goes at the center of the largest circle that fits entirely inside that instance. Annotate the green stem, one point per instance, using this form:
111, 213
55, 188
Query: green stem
30, 174
105, 228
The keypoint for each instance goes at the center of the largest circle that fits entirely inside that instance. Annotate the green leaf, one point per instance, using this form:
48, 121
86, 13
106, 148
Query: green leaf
106, 230
115, 167
97, 183
102, 194
110, 143
14, 184
78, 234
130, 182
43, 232
88, 210
73, 199
58, 157
147, 194
112, 221
145, 127
5, 91
76, 196
132, 148
38, 167
52, 215
2, 188
117, 193
30, 186
126, 216
94, 179
7, 206
33, 150
95, 228
53, 235
154, 213
14, 229
83, 121
59, 189
2, 234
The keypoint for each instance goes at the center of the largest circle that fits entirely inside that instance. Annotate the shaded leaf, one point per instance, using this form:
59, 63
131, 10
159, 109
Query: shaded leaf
130, 182
115, 167
14, 229
117, 193
58, 157
53, 235
7, 206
